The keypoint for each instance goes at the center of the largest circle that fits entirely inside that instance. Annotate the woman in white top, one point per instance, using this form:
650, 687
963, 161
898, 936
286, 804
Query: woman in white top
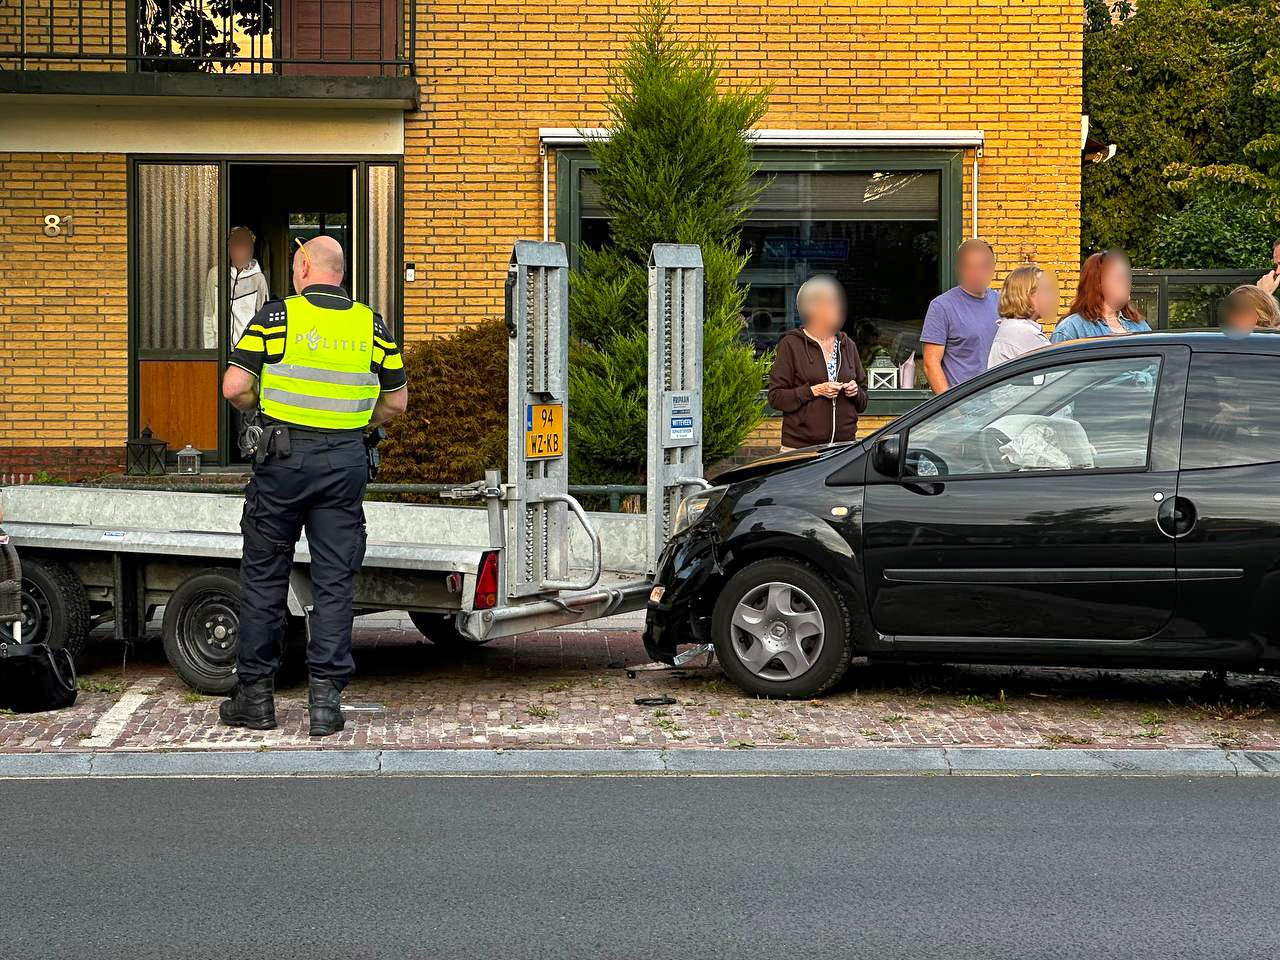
1029, 296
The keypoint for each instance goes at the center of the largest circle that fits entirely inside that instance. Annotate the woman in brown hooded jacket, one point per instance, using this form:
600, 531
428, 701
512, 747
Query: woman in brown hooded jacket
817, 380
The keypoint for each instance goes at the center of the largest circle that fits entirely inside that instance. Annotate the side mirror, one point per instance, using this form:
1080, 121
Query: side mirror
886, 456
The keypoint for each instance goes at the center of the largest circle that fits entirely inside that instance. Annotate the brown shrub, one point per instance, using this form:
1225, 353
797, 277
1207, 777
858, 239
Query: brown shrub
456, 424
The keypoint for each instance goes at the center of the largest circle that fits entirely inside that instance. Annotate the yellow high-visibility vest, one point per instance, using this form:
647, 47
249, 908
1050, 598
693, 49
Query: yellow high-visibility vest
324, 378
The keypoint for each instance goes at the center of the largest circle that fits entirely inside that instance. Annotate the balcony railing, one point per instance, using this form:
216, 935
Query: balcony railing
292, 37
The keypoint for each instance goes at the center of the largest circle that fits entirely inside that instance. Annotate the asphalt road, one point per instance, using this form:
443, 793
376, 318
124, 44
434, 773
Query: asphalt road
946, 867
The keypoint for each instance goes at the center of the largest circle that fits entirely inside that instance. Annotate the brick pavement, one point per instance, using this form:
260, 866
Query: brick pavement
568, 688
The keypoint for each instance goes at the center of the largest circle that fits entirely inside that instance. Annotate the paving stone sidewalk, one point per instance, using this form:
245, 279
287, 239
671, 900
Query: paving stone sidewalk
569, 688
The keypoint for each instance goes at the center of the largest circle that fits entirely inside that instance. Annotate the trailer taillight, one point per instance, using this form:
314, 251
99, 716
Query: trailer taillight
487, 581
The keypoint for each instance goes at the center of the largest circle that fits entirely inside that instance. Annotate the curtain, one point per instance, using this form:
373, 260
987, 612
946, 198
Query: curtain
382, 243
177, 245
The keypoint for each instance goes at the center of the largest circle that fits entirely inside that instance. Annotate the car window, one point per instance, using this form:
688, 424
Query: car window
1091, 415
1232, 413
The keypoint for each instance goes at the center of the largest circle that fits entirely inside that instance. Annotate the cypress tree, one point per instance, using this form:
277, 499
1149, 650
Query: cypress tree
676, 168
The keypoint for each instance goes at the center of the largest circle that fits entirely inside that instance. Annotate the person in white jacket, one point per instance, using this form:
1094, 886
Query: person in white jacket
247, 285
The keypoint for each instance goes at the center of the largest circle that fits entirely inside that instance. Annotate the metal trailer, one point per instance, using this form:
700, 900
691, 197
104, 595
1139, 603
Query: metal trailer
531, 557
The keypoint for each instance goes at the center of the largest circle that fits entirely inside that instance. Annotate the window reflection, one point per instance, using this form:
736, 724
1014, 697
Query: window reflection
877, 232
1083, 416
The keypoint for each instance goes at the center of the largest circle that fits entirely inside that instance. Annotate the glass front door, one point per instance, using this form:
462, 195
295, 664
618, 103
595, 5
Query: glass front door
211, 243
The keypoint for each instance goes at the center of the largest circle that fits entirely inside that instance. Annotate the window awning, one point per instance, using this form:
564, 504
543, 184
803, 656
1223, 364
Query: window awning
834, 139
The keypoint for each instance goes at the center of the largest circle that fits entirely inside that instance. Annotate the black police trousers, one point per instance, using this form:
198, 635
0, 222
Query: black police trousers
319, 486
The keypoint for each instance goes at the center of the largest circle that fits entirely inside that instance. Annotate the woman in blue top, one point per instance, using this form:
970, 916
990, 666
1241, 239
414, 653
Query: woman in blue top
1101, 307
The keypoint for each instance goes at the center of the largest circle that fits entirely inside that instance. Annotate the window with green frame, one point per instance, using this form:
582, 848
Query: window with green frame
885, 223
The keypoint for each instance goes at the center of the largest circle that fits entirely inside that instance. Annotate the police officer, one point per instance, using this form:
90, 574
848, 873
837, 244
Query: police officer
321, 368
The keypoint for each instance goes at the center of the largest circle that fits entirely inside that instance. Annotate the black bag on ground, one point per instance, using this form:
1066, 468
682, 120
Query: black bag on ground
33, 676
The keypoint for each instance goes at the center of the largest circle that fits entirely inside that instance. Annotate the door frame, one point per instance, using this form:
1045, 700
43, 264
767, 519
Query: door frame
360, 276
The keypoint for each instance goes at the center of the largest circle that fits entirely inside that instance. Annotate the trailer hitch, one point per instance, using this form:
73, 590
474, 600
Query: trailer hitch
479, 490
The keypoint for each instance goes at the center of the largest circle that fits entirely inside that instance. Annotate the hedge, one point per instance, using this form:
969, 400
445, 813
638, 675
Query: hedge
456, 424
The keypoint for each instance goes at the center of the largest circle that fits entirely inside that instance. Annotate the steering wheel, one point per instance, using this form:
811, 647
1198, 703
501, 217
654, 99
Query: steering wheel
989, 443
925, 464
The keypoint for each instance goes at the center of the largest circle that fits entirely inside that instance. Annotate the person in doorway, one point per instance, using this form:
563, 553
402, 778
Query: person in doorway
1028, 298
322, 368
817, 380
1248, 308
1102, 306
961, 323
247, 289
1269, 282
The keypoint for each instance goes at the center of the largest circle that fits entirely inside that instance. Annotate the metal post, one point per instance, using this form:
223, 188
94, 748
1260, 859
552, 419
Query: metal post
675, 385
537, 555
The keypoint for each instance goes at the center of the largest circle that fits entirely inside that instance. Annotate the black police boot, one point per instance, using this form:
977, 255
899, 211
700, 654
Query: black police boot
252, 705
325, 703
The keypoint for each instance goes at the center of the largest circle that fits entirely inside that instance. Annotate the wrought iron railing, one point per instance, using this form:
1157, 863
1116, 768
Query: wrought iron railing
298, 37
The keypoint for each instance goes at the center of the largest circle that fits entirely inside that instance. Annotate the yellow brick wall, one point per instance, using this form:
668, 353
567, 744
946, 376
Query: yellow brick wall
86, 28
492, 74
63, 301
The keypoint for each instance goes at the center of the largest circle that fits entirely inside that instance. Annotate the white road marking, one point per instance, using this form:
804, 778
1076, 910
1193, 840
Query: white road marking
112, 723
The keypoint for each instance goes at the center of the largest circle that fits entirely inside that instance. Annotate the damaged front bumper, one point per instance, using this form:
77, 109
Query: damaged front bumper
684, 586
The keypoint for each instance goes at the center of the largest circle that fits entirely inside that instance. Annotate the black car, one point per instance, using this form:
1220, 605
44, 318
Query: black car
1110, 502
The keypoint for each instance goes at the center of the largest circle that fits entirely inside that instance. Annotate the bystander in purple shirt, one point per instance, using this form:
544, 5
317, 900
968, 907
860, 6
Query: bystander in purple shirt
964, 326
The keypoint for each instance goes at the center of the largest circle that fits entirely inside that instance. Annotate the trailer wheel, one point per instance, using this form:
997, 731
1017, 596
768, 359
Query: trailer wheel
202, 633
202, 630
442, 630
55, 607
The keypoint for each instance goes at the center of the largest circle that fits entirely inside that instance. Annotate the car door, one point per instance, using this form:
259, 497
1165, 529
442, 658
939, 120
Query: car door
1025, 510
1226, 520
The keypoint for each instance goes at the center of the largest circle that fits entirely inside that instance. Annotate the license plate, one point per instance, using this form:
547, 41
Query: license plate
543, 431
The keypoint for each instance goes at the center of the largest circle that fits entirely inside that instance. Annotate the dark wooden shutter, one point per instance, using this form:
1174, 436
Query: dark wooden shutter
337, 32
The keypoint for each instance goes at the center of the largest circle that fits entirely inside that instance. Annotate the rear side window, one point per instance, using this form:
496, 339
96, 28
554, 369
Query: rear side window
1232, 414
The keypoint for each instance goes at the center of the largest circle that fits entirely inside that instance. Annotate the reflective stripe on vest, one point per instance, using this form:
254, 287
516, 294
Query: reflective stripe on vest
324, 378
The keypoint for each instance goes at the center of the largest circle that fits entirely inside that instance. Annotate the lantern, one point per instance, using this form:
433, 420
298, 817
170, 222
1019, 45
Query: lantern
882, 373
144, 455
189, 460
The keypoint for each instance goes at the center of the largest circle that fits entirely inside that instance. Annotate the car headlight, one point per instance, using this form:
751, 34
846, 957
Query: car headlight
694, 508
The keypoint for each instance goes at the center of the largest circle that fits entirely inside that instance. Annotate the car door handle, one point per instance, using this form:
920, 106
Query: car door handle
1176, 517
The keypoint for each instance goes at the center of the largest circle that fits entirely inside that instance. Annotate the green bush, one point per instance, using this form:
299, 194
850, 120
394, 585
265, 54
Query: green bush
676, 169
1189, 91
1209, 234
456, 424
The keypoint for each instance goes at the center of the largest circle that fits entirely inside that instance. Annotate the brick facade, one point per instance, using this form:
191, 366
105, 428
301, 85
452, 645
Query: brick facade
63, 313
88, 28
490, 76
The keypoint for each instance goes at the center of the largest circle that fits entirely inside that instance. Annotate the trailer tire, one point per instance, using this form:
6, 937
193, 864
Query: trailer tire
442, 630
202, 630
55, 607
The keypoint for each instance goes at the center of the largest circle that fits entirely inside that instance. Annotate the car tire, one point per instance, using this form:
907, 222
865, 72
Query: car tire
442, 630
55, 607
781, 629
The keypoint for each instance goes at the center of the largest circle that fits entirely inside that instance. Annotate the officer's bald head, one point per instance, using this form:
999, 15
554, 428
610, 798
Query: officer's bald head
319, 260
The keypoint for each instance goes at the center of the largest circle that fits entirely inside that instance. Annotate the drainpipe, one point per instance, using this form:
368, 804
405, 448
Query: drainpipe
546, 207
976, 154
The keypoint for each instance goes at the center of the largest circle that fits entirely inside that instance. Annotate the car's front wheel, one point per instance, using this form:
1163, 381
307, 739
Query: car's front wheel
781, 629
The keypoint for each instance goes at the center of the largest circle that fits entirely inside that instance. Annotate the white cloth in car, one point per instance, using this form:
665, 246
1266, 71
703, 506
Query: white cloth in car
1044, 443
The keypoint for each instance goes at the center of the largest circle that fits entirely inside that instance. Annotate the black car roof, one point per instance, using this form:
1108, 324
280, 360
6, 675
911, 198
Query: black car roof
1208, 339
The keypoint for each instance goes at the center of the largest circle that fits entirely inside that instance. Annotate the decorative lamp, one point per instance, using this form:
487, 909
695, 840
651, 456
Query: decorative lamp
144, 455
883, 373
189, 460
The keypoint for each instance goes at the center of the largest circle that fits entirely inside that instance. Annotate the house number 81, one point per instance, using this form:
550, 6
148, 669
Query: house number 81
56, 226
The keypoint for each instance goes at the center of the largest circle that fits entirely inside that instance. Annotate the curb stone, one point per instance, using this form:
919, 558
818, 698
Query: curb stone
958, 761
